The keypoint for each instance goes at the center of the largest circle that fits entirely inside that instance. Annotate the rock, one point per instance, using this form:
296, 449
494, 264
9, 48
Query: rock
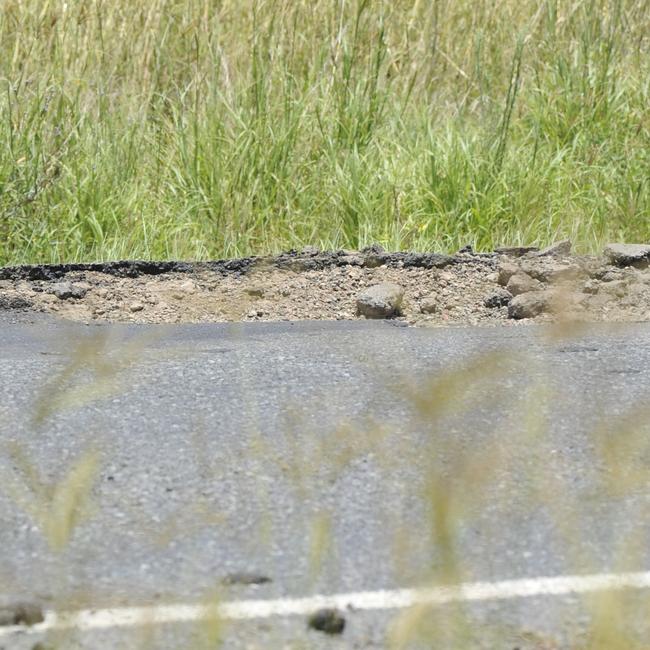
612, 275
557, 301
547, 269
66, 290
628, 254
21, 614
529, 305
616, 288
429, 305
374, 256
427, 260
515, 251
380, 300
500, 298
466, 249
136, 306
522, 283
255, 292
187, 287
246, 578
351, 260
560, 249
329, 621
591, 286
310, 250
505, 272
373, 249
8, 301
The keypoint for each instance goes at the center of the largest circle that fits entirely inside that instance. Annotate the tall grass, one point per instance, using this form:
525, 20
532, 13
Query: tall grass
209, 128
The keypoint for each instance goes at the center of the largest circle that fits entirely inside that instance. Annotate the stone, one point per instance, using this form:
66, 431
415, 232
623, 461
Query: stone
310, 250
616, 288
187, 287
429, 305
500, 298
329, 621
21, 614
246, 578
560, 249
529, 305
373, 249
427, 260
66, 290
136, 306
515, 251
591, 286
351, 260
374, 256
8, 301
522, 283
505, 272
547, 269
255, 292
628, 254
380, 300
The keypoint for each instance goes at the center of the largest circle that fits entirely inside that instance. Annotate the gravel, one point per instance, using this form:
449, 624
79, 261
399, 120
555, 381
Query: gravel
428, 289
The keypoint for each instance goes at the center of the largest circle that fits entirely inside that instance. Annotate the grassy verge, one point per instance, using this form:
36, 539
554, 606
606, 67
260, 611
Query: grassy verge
205, 128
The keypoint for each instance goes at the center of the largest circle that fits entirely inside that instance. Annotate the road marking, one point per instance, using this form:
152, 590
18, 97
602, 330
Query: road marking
97, 619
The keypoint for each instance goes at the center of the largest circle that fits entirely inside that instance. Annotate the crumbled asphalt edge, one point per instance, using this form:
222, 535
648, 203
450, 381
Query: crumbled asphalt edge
292, 260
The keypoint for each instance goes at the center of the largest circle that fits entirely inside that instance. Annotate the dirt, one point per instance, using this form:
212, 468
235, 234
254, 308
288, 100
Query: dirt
462, 289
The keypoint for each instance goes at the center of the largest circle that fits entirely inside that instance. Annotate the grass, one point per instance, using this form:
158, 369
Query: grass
203, 128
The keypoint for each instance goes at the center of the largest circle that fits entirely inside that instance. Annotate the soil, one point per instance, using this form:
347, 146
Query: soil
463, 289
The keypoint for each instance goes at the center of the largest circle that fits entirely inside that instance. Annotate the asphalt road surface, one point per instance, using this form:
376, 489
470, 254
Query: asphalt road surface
146, 465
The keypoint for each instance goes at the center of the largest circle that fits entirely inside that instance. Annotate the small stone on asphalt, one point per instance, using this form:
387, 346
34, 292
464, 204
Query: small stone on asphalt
329, 621
245, 578
21, 614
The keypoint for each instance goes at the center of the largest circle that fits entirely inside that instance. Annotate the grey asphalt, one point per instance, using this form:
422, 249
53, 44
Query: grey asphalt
324, 456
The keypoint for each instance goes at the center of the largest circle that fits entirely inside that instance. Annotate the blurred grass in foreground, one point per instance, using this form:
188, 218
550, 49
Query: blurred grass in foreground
452, 480
211, 128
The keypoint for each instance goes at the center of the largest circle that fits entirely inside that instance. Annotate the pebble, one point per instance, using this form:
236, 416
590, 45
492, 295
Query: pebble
66, 290
329, 621
21, 614
429, 305
500, 298
246, 578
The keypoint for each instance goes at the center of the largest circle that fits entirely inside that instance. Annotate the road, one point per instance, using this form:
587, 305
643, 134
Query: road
148, 465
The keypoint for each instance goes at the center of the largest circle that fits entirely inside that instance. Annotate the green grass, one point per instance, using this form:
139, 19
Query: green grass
204, 128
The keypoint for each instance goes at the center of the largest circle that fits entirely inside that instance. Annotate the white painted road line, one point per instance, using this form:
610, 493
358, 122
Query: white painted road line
96, 619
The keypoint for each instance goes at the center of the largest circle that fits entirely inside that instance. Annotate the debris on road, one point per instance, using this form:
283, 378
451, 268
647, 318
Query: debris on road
21, 614
329, 621
245, 578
